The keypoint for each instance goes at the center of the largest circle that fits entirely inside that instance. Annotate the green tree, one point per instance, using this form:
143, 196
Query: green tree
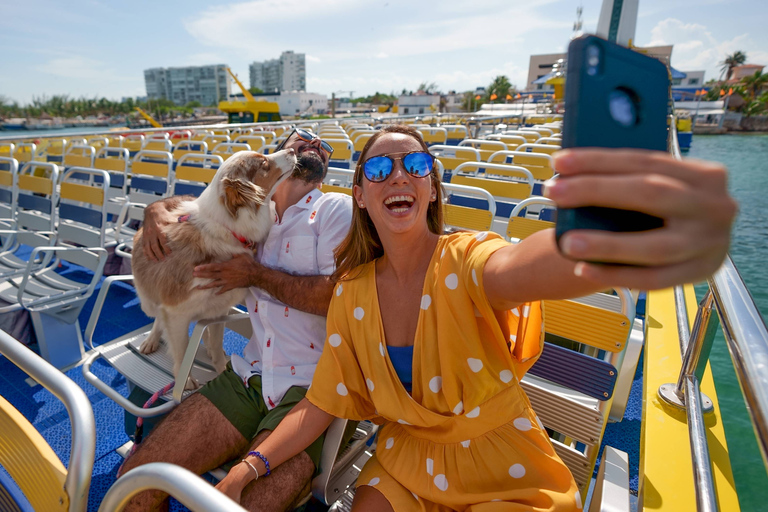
255, 90
755, 83
429, 88
753, 108
500, 87
731, 61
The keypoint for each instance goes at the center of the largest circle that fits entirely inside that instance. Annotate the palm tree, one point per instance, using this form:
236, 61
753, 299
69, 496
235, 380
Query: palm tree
754, 83
500, 87
731, 61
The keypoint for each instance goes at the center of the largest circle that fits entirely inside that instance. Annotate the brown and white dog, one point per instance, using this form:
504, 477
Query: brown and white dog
228, 218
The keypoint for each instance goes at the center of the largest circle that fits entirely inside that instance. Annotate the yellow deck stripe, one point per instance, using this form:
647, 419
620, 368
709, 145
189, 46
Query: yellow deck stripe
35, 184
85, 193
666, 471
199, 174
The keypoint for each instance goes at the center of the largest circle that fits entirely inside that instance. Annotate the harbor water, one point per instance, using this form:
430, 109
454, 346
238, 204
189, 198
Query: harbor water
745, 156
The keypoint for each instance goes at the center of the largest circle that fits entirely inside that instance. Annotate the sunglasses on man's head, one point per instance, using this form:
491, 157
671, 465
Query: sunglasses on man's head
417, 163
307, 137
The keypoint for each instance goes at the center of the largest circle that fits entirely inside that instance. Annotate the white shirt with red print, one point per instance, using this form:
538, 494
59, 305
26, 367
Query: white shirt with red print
287, 343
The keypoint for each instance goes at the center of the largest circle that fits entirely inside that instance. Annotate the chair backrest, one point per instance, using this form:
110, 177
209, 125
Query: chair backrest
83, 208
194, 171
571, 385
453, 156
97, 142
150, 176
546, 149
37, 196
180, 135
342, 152
25, 152
554, 141
466, 217
434, 136
512, 141
227, 149
269, 136
133, 142
79, 156
158, 142
455, 133
502, 190
189, 146
486, 147
540, 165
543, 130
115, 141
25, 454
523, 224
339, 176
52, 150
6, 149
116, 162
9, 170
216, 138
256, 142
530, 136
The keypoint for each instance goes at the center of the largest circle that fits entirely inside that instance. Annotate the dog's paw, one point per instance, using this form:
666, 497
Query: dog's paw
149, 345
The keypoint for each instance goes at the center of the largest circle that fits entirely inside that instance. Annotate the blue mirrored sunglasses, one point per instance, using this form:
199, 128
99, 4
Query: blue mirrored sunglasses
378, 168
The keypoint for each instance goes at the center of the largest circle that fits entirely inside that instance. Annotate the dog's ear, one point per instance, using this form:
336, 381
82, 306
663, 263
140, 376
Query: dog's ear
241, 193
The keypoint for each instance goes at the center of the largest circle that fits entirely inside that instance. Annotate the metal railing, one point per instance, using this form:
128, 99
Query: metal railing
747, 339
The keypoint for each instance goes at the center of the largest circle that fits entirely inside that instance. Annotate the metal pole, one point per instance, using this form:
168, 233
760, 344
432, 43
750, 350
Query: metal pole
706, 499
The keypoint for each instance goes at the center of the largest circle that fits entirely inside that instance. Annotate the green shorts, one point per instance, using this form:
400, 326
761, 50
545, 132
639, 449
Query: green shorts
244, 407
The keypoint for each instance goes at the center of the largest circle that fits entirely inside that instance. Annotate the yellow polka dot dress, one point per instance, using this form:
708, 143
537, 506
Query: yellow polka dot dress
466, 439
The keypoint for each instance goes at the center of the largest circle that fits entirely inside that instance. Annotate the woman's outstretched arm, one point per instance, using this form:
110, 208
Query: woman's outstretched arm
690, 195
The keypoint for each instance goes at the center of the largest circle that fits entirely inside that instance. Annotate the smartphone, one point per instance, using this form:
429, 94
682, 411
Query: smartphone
614, 98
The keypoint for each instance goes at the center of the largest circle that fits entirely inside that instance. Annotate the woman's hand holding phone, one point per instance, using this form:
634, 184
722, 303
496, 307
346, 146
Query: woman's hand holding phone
690, 196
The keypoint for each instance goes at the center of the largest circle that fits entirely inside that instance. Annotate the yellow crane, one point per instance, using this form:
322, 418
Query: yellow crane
246, 92
149, 118
251, 110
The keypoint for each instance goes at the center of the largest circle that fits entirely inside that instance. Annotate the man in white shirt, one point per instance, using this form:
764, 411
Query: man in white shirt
290, 289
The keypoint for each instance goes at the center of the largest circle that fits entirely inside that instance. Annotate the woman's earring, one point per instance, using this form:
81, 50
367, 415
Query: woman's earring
362, 205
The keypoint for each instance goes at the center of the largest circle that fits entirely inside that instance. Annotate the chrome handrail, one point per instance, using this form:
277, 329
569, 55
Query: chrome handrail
747, 338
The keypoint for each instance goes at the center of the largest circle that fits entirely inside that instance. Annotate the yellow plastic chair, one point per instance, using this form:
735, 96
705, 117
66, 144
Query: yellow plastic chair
519, 228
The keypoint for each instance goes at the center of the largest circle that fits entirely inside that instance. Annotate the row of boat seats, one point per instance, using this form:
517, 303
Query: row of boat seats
58, 223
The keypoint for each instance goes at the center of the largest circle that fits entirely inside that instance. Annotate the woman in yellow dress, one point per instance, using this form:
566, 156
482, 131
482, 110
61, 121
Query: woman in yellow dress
429, 334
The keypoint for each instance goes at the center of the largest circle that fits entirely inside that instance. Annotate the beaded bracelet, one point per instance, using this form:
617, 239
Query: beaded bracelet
264, 459
252, 467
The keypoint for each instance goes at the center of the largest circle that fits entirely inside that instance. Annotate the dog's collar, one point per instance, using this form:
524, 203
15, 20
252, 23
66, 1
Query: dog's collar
240, 238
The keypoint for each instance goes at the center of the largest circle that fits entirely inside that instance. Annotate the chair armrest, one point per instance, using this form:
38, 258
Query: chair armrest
99, 304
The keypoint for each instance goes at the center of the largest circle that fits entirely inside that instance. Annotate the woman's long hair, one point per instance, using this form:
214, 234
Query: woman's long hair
362, 244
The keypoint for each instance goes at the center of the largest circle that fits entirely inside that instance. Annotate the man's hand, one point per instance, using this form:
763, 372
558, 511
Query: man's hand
238, 272
235, 481
154, 241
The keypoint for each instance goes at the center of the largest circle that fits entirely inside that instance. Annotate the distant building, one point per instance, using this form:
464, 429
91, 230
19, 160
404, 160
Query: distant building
542, 65
206, 84
452, 102
298, 103
692, 79
744, 71
288, 73
419, 103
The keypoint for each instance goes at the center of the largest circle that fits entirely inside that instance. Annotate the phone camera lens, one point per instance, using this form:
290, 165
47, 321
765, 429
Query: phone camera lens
622, 107
593, 59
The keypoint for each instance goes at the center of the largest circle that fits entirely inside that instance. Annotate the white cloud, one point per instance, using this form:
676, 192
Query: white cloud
312, 58
74, 66
695, 46
204, 59
382, 55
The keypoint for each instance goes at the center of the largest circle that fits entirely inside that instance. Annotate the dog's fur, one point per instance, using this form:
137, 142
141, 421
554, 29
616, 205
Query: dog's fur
236, 202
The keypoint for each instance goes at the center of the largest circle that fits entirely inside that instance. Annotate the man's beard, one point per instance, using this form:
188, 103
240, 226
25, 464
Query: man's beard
309, 167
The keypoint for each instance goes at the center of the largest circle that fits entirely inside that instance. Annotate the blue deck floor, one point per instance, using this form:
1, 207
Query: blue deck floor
122, 314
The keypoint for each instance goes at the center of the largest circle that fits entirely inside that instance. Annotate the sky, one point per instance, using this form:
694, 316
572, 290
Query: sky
101, 48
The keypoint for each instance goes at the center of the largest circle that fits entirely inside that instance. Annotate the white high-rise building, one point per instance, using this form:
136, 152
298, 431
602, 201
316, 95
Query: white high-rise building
206, 84
288, 73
